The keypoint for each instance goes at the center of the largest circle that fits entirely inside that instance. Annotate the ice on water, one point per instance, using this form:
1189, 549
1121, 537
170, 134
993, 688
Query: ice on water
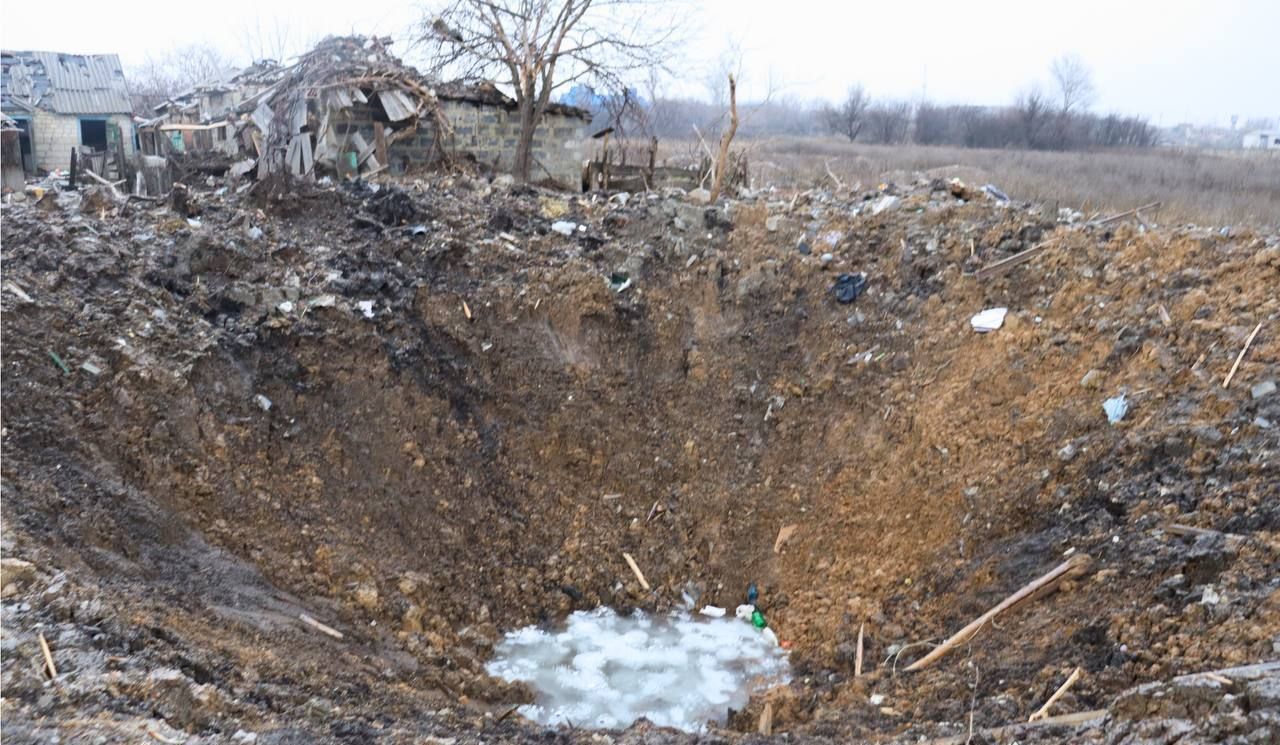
606, 671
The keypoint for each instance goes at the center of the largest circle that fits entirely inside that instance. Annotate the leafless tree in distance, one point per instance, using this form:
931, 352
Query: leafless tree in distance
1032, 109
889, 121
847, 117
159, 78
541, 46
1074, 83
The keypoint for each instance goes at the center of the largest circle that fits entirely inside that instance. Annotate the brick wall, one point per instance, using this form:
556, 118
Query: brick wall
54, 135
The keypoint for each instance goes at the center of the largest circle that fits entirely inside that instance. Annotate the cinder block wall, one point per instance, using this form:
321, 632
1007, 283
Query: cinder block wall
54, 135
490, 133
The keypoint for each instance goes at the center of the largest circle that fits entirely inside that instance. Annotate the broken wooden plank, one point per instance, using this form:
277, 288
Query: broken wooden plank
380, 143
784, 535
262, 117
50, 668
765, 727
997, 268
635, 569
308, 162
1043, 711
322, 628
999, 734
397, 104
1043, 585
857, 660
1127, 213
1240, 357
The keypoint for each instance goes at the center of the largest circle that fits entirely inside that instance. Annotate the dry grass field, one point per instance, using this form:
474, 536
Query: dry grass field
1200, 187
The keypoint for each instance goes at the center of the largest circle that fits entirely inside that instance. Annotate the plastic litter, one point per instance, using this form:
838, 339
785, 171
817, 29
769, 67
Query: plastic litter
988, 320
887, 202
753, 593
743, 612
757, 619
1116, 408
712, 611
994, 192
263, 402
366, 307
564, 227
619, 281
849, 287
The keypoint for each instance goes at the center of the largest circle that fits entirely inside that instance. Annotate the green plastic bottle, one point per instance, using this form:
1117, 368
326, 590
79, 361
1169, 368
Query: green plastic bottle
757, 619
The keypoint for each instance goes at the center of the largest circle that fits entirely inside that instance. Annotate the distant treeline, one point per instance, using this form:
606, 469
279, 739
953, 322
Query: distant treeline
1029, 124
1040, 118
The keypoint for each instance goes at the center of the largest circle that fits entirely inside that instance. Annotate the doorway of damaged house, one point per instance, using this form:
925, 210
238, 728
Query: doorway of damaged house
93, 134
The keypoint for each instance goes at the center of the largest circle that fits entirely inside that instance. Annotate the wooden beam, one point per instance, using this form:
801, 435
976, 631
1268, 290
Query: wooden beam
322, 628
997, 268
51, 668
999, 734
635, 569
1043, 711
380, 143
1240, 357
1127, 213
1041, 586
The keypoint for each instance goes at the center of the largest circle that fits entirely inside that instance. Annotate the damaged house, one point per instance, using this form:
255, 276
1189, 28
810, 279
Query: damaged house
64, 102
350, 107
203, 118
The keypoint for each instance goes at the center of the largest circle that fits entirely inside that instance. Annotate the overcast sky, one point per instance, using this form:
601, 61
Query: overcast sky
1173, 60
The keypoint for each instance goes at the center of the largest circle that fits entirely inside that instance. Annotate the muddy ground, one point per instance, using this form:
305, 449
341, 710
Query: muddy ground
423, 416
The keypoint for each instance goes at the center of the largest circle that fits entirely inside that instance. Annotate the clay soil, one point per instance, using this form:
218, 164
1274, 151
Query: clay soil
425, 437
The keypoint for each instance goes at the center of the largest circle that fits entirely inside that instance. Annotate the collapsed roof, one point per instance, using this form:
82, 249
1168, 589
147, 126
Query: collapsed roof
63, 83
311, 96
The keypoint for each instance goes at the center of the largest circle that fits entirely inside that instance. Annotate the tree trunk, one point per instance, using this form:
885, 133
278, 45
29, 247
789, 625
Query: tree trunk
524, 147
722, 161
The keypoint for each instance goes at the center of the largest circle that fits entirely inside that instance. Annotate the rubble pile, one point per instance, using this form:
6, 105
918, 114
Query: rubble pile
312, 100
286, 471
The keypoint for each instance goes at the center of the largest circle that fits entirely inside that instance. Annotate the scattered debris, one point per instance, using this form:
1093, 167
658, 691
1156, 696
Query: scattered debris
58, 361
990, 319
848, 287
1116, 408
263, 402
784, 535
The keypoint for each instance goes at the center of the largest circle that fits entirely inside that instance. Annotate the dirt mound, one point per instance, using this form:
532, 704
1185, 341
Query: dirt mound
423, 416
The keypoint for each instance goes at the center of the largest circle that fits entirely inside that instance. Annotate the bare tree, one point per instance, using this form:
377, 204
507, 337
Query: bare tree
539, 46
1074, 83
848, 117
889, 121
160, 78
1032, 109
272, 40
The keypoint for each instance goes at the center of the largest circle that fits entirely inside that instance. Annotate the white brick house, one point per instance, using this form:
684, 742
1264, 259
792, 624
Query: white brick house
63, 102
1261, 139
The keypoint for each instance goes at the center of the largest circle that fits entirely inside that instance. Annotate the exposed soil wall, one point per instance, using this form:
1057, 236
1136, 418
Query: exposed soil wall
475, 449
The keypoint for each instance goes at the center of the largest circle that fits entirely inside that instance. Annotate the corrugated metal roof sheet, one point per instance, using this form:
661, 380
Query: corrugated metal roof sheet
64, 83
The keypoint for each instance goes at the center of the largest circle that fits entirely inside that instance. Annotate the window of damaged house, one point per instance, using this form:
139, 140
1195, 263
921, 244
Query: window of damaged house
93, 134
